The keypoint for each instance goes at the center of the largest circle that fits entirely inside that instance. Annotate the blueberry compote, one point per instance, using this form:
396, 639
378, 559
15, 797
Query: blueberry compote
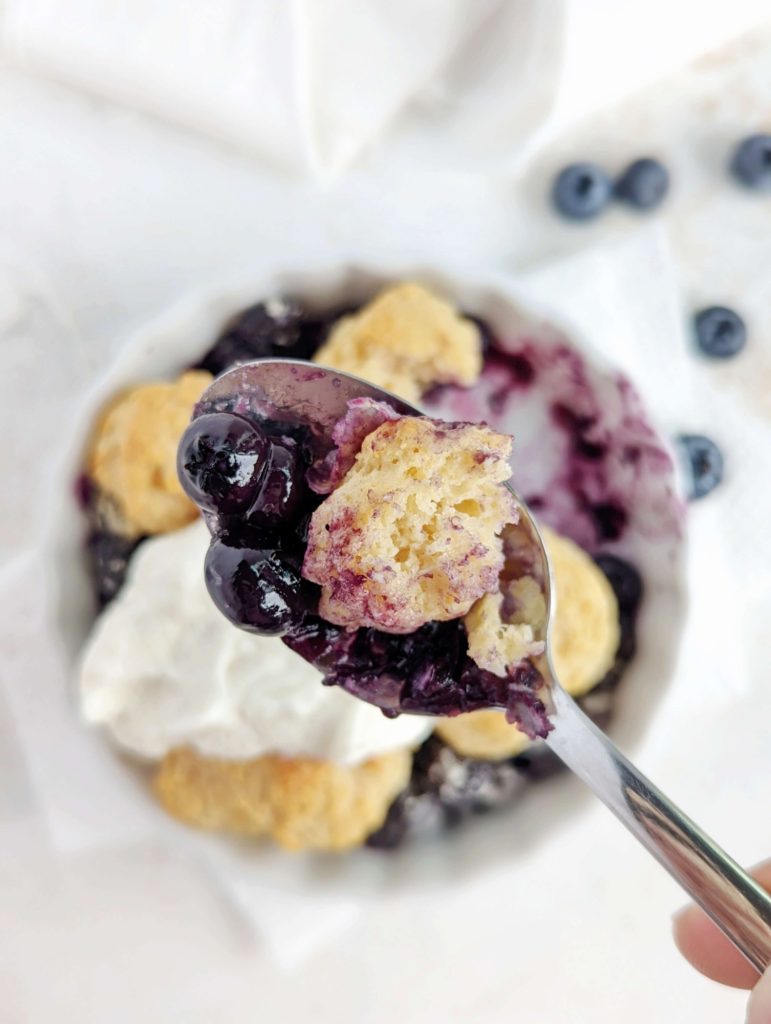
249, 478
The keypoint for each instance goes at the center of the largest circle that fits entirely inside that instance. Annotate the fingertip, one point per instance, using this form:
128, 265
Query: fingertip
705, 947
759, 1006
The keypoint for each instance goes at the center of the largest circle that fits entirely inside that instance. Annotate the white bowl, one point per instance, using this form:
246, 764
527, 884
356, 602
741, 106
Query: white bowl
179, 338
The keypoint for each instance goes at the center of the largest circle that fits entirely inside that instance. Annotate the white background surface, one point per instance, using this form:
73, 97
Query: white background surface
107, 217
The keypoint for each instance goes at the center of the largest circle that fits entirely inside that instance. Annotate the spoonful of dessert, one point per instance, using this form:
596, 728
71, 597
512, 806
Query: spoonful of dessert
390, 551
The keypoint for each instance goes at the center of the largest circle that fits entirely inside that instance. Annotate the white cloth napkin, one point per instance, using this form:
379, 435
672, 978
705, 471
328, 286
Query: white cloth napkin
310, 85
302, 83
624, 297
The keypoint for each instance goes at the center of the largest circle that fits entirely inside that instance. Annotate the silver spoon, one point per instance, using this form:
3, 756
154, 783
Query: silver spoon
293, 391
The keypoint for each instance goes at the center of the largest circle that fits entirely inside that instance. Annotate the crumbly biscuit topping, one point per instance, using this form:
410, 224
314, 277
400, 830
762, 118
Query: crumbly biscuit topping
302, 804
133, 458
411, 535
405, 340
585, 638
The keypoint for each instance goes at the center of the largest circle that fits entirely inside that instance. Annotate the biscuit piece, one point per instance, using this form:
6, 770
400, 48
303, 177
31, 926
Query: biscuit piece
586, 631
411, 535
498, 644
303, 804
405, 340
133, 458
485, 735
585, 638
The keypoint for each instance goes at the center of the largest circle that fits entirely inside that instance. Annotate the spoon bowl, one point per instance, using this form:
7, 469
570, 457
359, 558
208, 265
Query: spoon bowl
294, 392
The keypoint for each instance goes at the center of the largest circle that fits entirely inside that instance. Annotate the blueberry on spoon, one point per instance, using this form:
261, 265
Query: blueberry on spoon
221, 461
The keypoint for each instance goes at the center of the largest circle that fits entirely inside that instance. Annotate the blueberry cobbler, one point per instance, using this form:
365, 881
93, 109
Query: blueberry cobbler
388, 569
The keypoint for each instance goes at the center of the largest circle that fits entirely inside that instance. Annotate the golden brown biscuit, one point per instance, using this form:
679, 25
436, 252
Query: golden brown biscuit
405, 340
482, 734
133, 457
586, 630
411, 535
497, 644
585, 637
303, 804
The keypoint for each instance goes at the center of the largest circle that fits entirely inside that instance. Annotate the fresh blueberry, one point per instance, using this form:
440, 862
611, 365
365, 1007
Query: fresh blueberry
703, 462
751, 162
643, 184
221, 462
109, 555
720, 332
256, 588
624, 579
283, 487
582, 191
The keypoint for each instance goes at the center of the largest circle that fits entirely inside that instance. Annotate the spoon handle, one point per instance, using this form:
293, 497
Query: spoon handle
734, 901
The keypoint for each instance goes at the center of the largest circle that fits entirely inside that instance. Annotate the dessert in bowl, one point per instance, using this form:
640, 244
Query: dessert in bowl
241, 735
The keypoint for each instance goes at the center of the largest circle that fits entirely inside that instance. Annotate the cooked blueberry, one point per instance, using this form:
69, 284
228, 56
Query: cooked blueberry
464, 785
221, 461
643, 184
410, 816
485, 333
703, 464
582, 191
269, 328
444, 789
609, 520
283, 486
257, 589
109, 555
720, 332
624, 579
751, 162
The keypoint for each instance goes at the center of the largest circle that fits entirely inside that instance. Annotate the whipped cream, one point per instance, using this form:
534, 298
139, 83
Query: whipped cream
163, 668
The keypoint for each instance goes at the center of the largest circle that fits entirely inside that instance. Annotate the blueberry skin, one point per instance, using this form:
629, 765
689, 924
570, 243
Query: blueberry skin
270, 328
257, 589
704, 464
643, 184
221, 461
109, 555
582, 191
751, 162
720, 332
283, 486
625, 580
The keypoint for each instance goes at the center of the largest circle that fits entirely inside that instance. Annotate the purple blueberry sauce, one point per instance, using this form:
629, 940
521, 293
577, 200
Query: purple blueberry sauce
585, 456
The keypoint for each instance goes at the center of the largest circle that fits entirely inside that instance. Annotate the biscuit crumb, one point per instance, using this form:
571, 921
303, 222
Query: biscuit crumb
301, 803
411, 535
405, 340
498, 644
585, 638
134, 455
